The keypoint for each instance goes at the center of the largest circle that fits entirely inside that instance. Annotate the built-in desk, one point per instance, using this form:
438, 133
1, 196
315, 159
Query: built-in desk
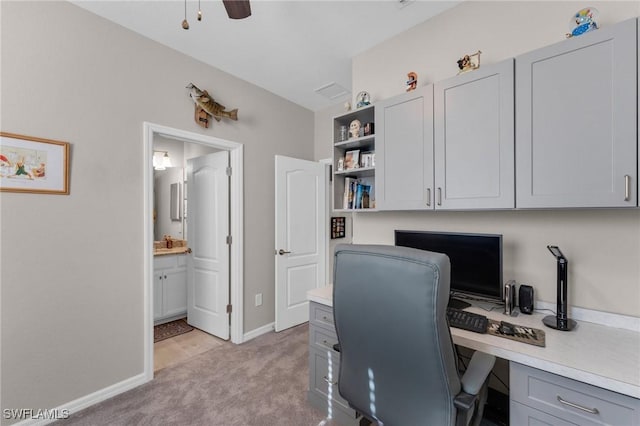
598, 355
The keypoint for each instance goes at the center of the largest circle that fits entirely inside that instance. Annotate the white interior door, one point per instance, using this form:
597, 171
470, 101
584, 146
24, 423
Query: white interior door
207, 231
301, 237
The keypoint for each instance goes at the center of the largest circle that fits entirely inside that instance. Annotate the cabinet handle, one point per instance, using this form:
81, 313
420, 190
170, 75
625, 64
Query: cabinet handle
429, 197
579, 407
327, 319
326, 379
627, 187
327, 344
439, 196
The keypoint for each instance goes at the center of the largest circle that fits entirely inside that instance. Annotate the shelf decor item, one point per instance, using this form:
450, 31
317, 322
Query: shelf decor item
35, 165
363, 99
352, 159
469, 62
583, 21
354, 129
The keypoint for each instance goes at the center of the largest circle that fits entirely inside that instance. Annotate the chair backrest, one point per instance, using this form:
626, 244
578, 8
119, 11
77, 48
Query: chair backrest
397, 360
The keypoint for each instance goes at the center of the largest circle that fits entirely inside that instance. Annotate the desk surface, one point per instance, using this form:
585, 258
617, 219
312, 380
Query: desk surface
599, 355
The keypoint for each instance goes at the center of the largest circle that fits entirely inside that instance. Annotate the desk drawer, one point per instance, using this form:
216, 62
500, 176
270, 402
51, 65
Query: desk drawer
522, 415
323, 380
570, 400
322, 339
321, 315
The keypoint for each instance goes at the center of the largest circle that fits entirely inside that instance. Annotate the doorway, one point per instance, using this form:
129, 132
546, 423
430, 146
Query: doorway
235, 150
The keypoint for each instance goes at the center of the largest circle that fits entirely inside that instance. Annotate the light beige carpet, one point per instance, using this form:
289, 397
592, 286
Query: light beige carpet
262, 382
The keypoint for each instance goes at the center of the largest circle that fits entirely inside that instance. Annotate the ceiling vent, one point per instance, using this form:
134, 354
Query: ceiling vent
332, 91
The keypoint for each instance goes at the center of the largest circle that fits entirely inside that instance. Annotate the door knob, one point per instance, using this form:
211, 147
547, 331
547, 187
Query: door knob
281, 252
189, 250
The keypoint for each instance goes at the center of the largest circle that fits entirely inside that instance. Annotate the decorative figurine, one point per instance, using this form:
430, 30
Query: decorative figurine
412, 81
583, 21
363, 99
354, 129
469, 62
347, 106
205, 103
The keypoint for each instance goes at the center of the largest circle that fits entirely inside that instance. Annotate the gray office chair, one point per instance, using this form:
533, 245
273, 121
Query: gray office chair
398, 365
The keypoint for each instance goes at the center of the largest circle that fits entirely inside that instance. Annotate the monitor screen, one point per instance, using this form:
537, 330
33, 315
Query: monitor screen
476, 259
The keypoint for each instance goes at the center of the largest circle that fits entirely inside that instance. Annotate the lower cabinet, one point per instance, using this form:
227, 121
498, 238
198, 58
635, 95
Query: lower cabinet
541, 398
169, 287
324, 366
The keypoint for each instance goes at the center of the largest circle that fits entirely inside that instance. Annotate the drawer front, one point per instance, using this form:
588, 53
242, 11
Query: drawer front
522, 415
165, 262
322, 339
321, 315
571, 400
324, 367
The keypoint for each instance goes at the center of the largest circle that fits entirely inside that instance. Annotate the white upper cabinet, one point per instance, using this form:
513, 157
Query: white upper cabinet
576, 121
404, 146
474, 139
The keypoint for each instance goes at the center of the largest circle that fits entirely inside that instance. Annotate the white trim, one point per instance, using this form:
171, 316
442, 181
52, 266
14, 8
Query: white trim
259, 331
609, 319
236, 152
91, 399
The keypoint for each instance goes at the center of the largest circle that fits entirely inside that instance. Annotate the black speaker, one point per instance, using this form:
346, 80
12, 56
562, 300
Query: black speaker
525, 298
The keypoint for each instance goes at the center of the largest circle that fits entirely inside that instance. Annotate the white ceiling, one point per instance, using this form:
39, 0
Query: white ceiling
290, 48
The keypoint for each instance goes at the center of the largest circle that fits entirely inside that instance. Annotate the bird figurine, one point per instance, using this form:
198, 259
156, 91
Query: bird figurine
206, 103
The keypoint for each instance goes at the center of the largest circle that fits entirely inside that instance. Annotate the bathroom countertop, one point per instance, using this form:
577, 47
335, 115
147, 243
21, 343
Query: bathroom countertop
166, 251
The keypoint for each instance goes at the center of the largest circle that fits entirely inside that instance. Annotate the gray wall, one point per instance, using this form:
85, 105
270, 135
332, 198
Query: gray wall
72, 266
603, 246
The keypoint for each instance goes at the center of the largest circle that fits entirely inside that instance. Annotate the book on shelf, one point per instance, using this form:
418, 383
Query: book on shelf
356, 194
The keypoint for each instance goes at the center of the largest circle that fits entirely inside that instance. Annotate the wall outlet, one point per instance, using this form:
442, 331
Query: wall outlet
258, 299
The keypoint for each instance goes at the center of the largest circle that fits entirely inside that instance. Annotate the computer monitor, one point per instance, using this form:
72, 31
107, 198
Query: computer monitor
476, 261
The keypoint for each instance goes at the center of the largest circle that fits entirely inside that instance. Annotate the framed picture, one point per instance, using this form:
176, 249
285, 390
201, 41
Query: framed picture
337, 227
352, 159
35, 165
366, 159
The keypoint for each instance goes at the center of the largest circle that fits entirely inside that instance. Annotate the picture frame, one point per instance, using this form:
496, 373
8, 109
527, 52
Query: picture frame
352, 159
33, 165
366, 159
337, 227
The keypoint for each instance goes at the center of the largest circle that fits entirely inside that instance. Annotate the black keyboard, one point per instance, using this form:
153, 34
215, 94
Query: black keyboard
467, 320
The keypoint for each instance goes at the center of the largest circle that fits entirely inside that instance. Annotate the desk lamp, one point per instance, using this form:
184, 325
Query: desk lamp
560, 321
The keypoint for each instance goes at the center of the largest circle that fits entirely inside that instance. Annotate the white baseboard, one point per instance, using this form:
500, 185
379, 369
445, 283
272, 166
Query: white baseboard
88, 400
258, 332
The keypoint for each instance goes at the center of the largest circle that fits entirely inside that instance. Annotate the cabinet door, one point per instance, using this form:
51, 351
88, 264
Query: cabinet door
157, 294
576, 121
404, 151
174, 292
474, 139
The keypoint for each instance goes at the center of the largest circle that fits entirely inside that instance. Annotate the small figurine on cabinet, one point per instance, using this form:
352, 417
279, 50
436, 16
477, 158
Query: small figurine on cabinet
412, 81
363, 98
583, 21
469, 62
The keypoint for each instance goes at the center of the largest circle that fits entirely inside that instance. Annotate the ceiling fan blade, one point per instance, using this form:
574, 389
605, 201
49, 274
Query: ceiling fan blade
237, 9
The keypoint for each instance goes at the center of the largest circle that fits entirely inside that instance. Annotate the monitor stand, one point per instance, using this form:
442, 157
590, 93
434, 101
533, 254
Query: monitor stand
457, 303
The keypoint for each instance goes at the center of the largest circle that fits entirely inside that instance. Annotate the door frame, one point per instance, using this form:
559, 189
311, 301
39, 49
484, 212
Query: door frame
236, 206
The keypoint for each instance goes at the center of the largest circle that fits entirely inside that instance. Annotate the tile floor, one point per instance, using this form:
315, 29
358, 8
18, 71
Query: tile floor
182, 347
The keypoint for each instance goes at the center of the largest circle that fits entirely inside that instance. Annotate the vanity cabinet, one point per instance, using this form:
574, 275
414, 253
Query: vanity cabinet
324, 365
576, 130
169, 287
474, 139
404, 175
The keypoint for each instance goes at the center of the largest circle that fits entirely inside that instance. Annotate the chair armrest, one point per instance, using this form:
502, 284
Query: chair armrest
465, 407
476, 374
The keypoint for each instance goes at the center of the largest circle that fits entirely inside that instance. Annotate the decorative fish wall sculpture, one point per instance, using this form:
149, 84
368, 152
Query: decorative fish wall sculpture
206, 103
